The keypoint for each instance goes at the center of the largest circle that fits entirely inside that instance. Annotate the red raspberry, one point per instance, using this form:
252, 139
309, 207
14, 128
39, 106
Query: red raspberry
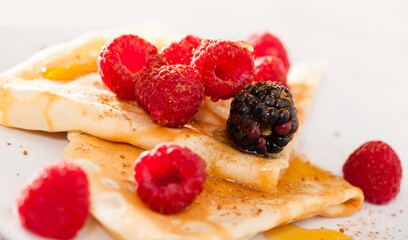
376, 169
125, 60
225, 67
181, 52
267, 44
169, 177
270, 68
143, 88
55, 203
172, 95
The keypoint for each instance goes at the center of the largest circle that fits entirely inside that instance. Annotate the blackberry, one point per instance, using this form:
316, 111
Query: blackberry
263, 118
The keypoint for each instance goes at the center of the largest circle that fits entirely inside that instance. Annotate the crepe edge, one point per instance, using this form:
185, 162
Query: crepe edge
31, 68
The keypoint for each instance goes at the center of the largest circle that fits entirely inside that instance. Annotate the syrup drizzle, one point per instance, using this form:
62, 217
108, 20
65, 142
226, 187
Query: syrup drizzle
70, 71
293, 232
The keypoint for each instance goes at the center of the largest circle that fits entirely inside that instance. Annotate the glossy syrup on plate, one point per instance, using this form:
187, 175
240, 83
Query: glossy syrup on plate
293, 232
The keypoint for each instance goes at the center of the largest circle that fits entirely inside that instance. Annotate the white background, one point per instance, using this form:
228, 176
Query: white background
363, 97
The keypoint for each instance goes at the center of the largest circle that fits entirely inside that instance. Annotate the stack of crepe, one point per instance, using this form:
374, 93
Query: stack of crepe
59, 89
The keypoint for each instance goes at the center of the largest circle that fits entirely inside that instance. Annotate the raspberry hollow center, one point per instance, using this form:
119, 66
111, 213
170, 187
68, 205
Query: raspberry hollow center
132, 60
172, 176
223, 71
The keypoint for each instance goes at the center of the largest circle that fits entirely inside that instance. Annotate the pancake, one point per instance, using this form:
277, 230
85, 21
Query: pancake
80, 101
224, 210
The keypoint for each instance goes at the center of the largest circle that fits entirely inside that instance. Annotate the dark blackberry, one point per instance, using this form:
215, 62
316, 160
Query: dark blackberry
263, 118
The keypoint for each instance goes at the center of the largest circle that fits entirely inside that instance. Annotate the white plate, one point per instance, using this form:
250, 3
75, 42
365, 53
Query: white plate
336, 125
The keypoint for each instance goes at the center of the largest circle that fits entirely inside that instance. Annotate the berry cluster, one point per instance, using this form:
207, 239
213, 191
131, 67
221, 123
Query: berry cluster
171, 84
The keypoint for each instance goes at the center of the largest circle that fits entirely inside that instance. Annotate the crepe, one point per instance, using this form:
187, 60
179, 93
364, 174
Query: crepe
224, 210
82, 102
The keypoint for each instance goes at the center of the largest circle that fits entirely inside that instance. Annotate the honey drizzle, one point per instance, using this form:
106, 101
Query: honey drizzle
69, 71
293, 232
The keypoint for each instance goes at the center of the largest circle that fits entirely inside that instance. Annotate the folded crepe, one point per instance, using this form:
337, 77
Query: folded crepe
224, 210
80, 101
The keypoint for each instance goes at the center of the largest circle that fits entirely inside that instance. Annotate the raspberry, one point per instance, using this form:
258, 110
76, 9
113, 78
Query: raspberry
225, 67
143, 89
376, 169
172, 95
263, 118
169, 177
125, 60
270, 68
181, 52
267, 44
55, 204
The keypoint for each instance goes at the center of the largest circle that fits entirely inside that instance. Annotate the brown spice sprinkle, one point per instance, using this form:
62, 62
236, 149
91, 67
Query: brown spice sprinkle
25, 153
8, 143
341, 230
372, 222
